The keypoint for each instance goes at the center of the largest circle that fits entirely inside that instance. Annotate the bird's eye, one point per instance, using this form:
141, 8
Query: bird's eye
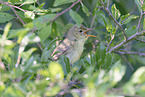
80, 31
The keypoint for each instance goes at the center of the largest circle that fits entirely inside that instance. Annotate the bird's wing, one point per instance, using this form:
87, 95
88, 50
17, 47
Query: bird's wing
62, 48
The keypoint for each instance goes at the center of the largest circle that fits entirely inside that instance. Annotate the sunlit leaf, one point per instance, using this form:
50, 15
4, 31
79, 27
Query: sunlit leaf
116, 72
29, 14
138, 76
115, 12
2, 87
55, 71
29, 25
55, 9
85, 9
6, 30
130, 18
53, 91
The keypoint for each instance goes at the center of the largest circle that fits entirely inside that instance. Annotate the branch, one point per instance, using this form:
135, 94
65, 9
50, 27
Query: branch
124, 41
14, 11
59, 14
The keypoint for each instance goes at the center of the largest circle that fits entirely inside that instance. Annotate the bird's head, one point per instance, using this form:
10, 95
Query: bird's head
79, 33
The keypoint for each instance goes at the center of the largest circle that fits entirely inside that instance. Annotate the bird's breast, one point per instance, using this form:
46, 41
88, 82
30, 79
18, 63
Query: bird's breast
75, 52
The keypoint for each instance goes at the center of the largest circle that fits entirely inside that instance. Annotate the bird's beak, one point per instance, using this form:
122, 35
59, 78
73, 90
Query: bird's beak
87, 31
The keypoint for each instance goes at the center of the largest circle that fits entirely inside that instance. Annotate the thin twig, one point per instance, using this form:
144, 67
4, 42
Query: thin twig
124, 42
132, 53
129, 64
139, 21
59, 14
39, 46
110, 43
140, 40
13, 11
13, 6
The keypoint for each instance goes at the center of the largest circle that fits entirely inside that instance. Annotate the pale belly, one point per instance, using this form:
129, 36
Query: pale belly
75, 52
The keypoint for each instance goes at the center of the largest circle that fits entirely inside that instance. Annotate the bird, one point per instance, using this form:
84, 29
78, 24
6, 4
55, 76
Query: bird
72, 46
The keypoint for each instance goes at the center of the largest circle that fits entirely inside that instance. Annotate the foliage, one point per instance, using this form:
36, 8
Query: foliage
112, 64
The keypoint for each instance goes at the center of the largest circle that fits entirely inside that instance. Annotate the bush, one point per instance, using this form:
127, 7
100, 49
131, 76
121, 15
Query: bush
112, 64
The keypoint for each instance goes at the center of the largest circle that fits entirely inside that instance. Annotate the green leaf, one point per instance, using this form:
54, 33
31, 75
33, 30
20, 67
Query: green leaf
43, 20
28, 53
100, 55
143, 7
108, 60
93, 59
130, 18
29, 25
57, 30
20, 33
64, 61
130, 31
144, 24
14, 1
30, 1
76, 17
4, 17
85, 9
21, 15
60, 2
5, 8
123, 17
103, 51
46, 54
138, 4
29, 64
101, 18
41, 5
115, 12
45, 32
55, 9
